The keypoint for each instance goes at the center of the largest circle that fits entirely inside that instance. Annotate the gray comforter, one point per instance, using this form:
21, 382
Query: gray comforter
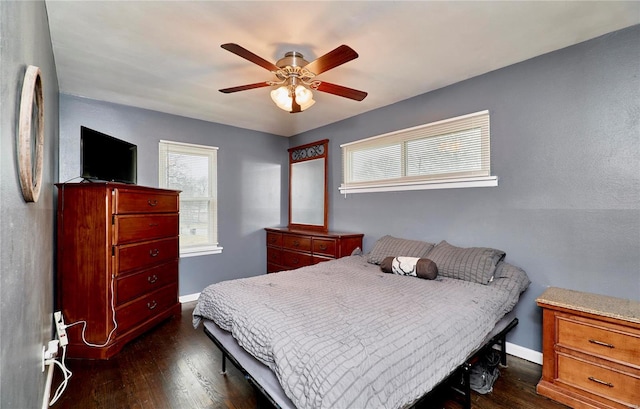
342, 334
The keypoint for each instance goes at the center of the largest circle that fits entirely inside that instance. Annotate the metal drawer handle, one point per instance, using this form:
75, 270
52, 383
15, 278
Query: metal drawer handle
152, 279
152, 202
151, 305
154, 252
295, 260
153, 224
603, 344
296, 243
596, 380
323, 247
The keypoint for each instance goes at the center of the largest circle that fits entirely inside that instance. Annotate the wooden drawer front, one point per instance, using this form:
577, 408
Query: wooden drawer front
294, 242
597, 338
292, 259
146, 307
274, 255
319, 259
129, 201
134, 285
598, 380
133, 228
274, 239
325, 247
274, 268
143, 255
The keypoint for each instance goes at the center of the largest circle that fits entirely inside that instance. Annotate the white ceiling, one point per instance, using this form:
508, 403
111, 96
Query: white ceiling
166, 56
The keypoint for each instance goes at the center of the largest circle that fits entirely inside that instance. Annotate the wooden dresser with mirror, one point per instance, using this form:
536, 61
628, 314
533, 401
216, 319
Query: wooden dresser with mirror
307, 240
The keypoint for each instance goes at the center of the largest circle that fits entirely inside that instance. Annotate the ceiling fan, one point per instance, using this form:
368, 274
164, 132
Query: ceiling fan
296, 77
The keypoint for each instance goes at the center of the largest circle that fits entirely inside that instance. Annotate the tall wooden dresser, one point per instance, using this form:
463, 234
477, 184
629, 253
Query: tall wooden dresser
117, 263
288, 249
591, 350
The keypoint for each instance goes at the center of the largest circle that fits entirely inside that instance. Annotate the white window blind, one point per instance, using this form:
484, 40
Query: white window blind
192, 169
450, 153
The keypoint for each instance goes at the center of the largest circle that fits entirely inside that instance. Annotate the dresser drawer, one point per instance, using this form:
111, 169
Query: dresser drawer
326, 247
274, 239
132, 286
291, 259
274, 255
145, 307
132, 228
599, 338
294, 242
598, 380
143, 255
127, 201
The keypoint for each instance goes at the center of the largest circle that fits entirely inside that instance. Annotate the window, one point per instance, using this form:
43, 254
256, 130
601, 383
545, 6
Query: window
193, 170
451, 153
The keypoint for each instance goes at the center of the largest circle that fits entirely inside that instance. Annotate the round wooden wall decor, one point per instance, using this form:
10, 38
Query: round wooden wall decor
30, 172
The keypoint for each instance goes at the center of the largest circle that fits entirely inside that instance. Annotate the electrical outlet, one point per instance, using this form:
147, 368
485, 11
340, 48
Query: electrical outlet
60, 328
49, 352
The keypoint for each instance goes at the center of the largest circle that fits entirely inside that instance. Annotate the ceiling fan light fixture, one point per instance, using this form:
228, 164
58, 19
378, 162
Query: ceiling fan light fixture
283, 98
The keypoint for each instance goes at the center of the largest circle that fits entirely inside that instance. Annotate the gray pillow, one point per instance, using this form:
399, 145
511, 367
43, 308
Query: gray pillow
389, 246
475, 264
510, 277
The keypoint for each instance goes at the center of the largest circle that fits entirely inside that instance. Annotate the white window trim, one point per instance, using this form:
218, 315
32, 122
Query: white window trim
199, 250
443, 183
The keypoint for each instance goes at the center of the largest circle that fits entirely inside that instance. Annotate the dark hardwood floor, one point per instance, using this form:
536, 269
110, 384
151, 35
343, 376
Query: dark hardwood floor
176, 366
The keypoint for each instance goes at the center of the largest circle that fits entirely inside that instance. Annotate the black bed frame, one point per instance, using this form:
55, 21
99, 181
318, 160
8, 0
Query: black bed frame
459, 380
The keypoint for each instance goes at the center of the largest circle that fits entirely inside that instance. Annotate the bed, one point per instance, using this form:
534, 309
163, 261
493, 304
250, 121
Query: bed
345, 334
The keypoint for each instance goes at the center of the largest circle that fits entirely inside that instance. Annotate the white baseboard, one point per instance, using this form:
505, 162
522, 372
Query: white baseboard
524, 353
188, 298
512, 349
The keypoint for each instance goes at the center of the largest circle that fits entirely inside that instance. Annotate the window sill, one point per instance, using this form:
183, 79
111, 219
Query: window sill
485, 181
200, 251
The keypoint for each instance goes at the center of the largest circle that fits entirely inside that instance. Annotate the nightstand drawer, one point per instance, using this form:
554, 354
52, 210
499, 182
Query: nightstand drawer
598, 380
298, 243
599, 338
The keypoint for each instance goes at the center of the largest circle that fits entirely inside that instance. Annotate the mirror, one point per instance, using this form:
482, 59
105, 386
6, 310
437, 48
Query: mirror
308, 186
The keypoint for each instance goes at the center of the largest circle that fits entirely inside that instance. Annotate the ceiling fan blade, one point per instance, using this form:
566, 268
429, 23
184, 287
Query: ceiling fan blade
248, 55
341, 91
244, 87
332, 59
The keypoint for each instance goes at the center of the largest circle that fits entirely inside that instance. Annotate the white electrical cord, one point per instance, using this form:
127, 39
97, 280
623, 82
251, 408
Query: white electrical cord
113, 316
65, 372
47, 387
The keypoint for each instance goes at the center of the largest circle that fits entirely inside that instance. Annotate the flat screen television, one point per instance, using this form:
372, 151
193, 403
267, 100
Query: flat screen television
105, 158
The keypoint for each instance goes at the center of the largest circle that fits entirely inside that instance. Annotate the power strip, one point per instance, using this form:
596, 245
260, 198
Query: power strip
61, 328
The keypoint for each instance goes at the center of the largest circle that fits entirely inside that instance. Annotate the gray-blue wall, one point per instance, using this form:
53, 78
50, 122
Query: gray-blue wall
252, 178
565, 144
26, 229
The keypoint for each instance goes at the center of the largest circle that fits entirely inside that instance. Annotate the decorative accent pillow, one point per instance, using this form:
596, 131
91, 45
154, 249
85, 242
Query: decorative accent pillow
475, 264
410, 266
389, 246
